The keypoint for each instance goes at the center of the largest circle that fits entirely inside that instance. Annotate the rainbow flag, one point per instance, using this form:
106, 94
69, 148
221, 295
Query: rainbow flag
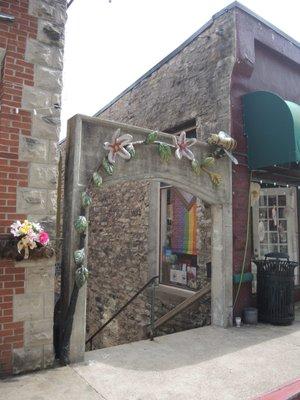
184, 224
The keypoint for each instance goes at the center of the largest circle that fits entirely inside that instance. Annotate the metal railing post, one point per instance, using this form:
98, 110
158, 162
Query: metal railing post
152, 307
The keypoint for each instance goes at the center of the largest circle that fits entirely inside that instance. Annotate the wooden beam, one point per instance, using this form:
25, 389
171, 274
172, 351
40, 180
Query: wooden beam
182, 306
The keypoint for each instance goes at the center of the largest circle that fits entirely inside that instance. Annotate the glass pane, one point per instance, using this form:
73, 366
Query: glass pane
282, 200
273, 237
272, 226
263, 213
283, 237
283, 249
273, 212
281, 213
282, 226
273, 248
264, 238
263, 200
265, 225
264, 250
272, 200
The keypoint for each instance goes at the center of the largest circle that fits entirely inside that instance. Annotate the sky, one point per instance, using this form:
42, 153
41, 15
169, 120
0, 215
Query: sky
109, 45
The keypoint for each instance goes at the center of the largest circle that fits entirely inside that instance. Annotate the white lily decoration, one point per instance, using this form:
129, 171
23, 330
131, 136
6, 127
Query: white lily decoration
117, 146
182, 145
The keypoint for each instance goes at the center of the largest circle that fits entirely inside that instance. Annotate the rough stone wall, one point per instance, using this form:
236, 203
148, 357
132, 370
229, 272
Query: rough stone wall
118, 246
31, 49
118, 262
193, 85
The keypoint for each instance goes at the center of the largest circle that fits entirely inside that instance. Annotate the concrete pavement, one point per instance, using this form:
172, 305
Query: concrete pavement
204, 364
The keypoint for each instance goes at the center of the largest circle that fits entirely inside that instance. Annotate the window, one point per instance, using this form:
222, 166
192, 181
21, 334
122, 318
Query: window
189, 127
274, 225
178, 238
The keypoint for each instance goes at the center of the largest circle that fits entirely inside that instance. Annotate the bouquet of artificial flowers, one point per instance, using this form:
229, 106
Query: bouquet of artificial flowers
31, 235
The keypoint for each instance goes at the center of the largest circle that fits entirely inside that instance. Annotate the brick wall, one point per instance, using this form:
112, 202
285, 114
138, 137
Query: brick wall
11, 333
31, 49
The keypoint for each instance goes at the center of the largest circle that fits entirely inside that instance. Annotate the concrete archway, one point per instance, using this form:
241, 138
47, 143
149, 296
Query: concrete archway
84, 150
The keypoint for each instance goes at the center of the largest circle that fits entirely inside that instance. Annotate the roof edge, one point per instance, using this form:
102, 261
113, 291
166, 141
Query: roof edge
194, 36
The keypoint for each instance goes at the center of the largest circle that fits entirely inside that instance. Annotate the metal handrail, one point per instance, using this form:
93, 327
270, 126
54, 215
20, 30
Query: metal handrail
151, 281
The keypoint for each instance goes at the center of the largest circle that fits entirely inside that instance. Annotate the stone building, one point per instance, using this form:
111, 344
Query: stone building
31, 63
200, 87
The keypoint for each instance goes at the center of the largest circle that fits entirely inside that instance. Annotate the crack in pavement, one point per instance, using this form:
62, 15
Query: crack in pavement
96, 391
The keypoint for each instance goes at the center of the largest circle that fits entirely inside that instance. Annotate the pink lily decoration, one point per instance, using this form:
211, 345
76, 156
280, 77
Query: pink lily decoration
182, 145
117, 146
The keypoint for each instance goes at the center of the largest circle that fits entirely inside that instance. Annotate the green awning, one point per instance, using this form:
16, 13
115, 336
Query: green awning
272, 127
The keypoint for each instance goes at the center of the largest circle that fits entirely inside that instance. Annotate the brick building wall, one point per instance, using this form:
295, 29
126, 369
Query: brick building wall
31, 51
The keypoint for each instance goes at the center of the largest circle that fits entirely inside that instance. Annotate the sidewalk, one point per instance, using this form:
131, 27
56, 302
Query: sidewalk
201, 364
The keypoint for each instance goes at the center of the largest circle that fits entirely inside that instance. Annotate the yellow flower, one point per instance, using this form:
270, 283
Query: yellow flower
25, 227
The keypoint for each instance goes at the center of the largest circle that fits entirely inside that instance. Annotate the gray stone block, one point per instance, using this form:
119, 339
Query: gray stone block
27, 359
42, 9
48, 355
52, 202
48, 78
47, 127
33, 149
50, 33
33, 97
51, 10
28, 307
38, 333
41, 53
42, 176
40, 278
48, 304
44, 262
53, 152
31, 200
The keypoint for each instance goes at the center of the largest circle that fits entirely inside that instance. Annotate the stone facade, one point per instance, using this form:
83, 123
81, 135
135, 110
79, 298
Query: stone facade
35, 308
192, 88
118, 247
31, 52
125, 208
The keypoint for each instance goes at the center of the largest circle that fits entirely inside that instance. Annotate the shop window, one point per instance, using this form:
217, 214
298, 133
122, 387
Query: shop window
178, 238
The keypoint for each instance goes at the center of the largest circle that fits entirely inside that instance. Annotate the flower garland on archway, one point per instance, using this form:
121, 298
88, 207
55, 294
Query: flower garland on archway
123, 146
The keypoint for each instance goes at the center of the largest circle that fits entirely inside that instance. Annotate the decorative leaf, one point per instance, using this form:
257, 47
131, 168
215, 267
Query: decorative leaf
196, 167
208, 162
131, 150
79, 256
108, 167
81, 224
81, 276
164, 151
215, 178
151, 138
86, 199
97, 179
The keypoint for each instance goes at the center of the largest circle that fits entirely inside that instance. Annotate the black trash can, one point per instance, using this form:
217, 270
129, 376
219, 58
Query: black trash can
275, 289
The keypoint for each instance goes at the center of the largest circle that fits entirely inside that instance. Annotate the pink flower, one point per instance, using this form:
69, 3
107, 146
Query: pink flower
43, 238
117, 146
182, 145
